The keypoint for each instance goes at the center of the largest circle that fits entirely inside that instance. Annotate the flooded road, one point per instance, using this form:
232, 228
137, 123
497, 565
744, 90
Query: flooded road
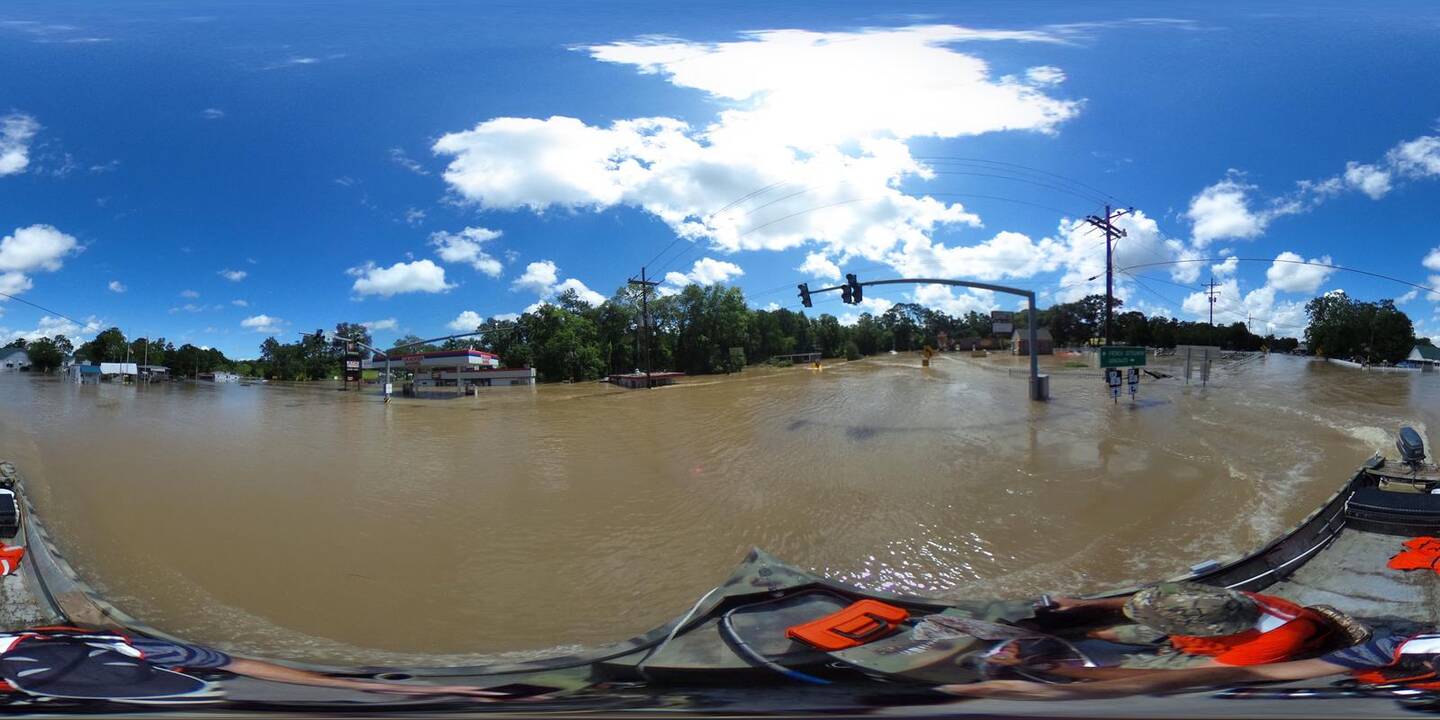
302, 522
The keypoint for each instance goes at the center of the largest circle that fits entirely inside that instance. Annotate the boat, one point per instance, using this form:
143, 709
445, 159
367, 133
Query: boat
730, 652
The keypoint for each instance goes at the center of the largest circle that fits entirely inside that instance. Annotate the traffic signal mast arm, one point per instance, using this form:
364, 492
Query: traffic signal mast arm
853, 294
927, 281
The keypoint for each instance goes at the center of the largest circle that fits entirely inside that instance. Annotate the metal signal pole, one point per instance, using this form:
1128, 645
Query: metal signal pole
645, 285
1107, 225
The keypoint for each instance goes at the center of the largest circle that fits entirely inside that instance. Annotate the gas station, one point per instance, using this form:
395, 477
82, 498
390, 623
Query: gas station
463, 370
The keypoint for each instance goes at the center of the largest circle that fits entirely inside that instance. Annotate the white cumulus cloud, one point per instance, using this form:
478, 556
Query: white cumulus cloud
466, 321
36, 248
116, 286
376, 325
812, 138
705, 271
16, 132
540, 278
543, 279
466, 246
818, 266
49, 326
1368, 179
233, 275
263, 324
402, 277
1286, 274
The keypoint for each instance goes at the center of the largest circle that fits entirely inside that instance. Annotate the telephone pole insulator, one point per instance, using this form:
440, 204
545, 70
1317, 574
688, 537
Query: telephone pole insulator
1106, 225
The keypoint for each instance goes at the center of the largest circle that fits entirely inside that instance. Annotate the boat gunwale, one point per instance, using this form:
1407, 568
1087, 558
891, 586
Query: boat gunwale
1275, 557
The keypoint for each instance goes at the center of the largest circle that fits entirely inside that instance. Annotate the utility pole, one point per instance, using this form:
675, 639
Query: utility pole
645, 285
1107, 225
1211, 293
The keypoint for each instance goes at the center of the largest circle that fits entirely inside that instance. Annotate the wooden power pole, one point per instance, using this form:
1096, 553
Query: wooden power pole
645, 285
1106, 225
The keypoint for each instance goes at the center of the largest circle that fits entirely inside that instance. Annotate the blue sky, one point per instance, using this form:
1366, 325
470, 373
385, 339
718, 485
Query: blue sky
218, 172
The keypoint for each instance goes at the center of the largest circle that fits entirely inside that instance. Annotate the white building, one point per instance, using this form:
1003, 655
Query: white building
14, 359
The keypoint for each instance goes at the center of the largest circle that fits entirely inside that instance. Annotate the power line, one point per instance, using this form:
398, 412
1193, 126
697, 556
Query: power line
43, 308
1026, 168
1152, 291
1311, 263
1002, 199
1013, 178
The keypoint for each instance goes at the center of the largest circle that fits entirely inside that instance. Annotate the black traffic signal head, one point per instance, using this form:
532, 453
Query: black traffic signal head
805, 294
856, 293
847, 294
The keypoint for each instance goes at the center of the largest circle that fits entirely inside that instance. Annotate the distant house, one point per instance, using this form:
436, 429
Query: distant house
13, 359
1044, 343
968, 343
1424, 355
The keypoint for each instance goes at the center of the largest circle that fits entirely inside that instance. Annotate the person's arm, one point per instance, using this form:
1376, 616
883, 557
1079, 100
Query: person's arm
262, 670
1152, 683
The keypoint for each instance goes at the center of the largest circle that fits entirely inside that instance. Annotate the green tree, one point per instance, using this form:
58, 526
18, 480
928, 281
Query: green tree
355, 331
1346, 328
45, 355
108, 346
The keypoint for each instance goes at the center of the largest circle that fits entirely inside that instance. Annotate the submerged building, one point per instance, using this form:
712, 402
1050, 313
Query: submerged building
460, 369
13, 359
1044, 343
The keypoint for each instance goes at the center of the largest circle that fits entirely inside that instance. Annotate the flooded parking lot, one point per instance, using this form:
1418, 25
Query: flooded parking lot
322, 525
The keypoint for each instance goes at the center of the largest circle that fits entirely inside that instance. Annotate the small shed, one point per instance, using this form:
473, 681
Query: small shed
1044, 343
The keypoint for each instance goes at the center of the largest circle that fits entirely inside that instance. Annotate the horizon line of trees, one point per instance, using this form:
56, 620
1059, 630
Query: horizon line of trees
711, 329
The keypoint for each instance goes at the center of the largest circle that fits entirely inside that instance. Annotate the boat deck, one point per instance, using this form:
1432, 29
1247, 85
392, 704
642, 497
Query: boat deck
1350, 574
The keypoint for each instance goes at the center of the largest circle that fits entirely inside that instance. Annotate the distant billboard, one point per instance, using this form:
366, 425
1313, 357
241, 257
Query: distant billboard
1002, 322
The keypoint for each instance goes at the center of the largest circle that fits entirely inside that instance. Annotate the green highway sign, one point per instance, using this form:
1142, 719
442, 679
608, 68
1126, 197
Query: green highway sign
1121, 356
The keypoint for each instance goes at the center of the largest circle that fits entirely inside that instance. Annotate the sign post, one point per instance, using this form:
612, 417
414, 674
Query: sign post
1114, 357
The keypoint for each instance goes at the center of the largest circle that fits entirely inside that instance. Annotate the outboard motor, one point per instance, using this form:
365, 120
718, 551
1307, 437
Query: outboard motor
1411, 447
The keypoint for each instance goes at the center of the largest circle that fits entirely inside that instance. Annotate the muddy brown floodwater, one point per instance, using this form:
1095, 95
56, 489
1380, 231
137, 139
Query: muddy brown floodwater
302, 522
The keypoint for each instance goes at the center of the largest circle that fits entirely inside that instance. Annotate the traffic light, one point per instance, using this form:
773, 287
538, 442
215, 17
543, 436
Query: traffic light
805, 294
847, 294
856, 293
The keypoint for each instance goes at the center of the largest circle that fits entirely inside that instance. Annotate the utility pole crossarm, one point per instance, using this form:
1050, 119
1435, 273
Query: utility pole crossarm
1107, 225
645, 284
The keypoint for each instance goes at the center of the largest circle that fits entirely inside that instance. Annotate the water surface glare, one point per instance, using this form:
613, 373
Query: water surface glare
302, 522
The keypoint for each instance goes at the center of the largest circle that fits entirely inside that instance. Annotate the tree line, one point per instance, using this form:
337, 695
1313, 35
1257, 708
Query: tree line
110, 345
711, 329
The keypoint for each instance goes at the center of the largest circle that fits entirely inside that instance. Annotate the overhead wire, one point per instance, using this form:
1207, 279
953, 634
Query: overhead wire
42, 308
1024, 168
1312, 263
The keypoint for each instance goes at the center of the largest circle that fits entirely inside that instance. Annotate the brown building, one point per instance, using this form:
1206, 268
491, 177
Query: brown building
1044, 343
